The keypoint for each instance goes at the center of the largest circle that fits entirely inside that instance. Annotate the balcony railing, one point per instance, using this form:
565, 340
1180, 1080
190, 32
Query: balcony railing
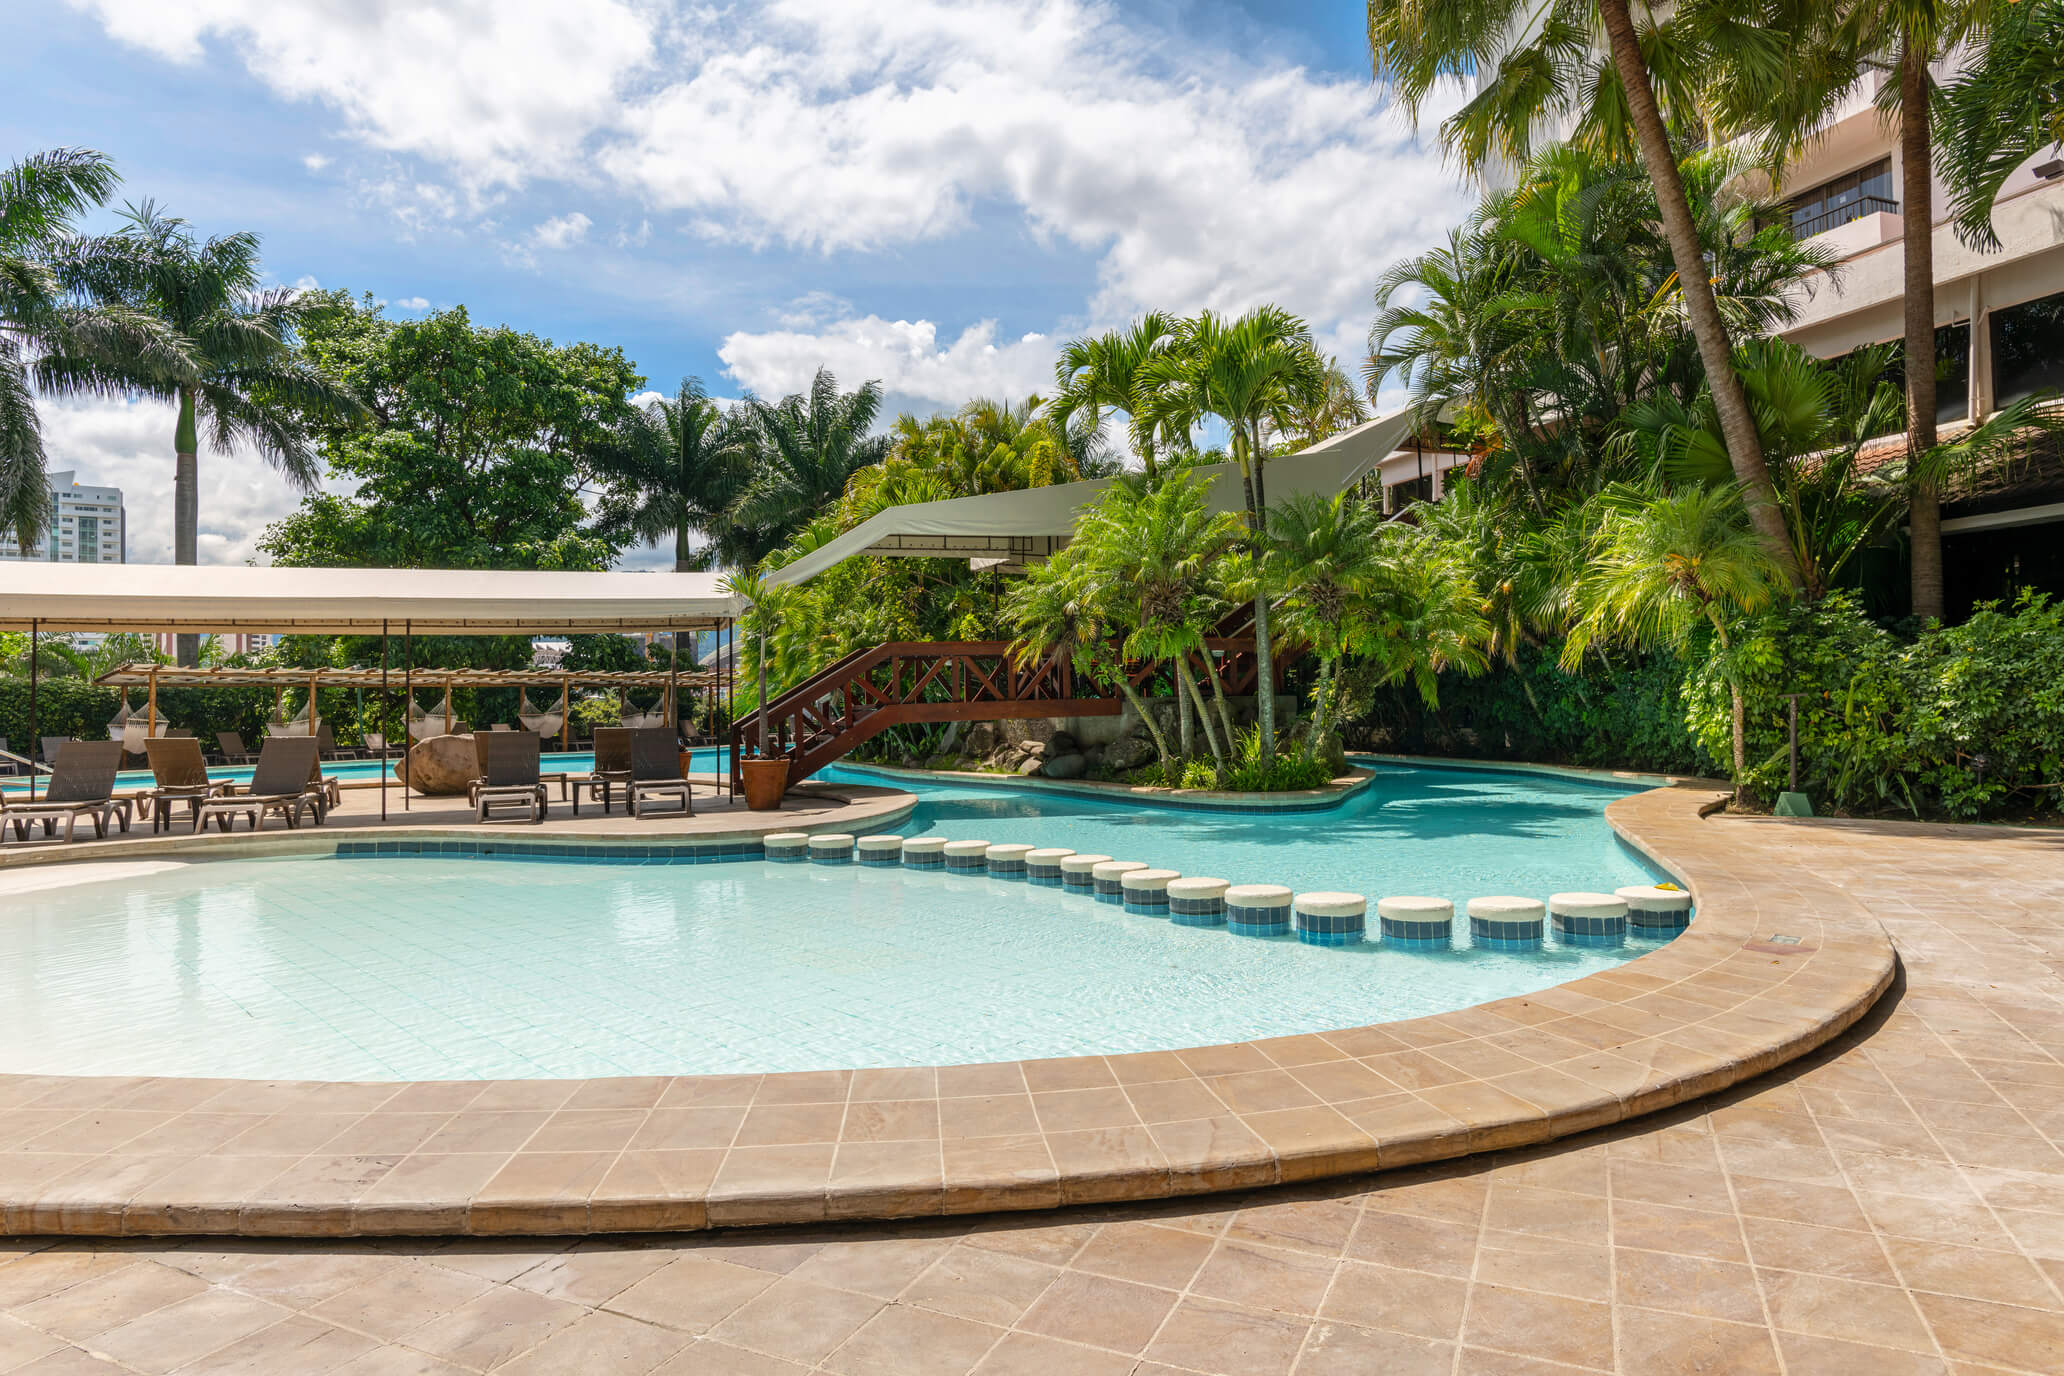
1842, 214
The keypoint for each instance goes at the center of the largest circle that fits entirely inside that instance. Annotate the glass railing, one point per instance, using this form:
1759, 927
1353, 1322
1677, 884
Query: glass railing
1806, 226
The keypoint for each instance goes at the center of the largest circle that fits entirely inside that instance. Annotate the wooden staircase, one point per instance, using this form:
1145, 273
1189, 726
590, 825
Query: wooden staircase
827, 714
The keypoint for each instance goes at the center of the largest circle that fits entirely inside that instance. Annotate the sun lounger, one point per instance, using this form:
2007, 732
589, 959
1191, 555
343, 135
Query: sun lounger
180, 776
232, 748
287, 781
612, 768
508, 774
82, 785
656, 772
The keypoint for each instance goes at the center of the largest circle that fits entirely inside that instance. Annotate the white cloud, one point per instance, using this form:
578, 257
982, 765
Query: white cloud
412, 303
562, 231
1196, 177
497, 90
315, 162
129, 445
905, 355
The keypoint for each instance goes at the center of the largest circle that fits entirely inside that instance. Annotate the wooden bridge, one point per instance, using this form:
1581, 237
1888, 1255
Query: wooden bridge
827, 714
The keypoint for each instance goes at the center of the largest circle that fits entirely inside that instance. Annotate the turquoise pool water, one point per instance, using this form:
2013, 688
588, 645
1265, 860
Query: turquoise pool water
428, 967
1449, 833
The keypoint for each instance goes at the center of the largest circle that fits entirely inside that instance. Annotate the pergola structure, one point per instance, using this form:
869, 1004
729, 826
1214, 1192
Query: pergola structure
390, 603
151, 677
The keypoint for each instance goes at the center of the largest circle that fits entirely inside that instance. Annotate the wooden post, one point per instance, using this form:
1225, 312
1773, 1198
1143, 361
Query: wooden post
447, 707
35, 744
150, 724
408, 702
565, 712
279, 704
383, 719
314, 711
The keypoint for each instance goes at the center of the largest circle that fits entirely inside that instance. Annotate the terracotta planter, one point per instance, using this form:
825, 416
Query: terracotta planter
765, 782
687, 758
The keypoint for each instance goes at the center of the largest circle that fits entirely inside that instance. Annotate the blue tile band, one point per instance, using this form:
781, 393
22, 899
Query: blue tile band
919, 860
537, 850
1417, 936
1078, 880
1137, 902
1197, 912
966, 864
1647, 921
1494, 935
831, 857
1257, 921
1044, 881
1330, 929
880, 860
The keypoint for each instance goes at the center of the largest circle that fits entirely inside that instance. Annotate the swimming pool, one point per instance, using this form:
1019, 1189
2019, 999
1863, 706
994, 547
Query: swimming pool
434, 967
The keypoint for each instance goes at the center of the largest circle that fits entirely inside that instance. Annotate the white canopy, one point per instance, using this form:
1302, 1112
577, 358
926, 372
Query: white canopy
1035, 523
274, 601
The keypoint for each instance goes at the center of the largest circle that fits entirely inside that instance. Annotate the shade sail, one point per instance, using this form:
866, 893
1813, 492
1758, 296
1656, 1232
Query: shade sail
272, 601
1037, 522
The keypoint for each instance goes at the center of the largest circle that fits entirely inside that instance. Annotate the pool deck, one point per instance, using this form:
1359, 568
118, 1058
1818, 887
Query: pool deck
1890, 1204
1776, 964
811, 807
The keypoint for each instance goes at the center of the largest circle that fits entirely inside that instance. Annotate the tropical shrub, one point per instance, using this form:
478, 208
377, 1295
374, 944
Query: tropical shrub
1965, 721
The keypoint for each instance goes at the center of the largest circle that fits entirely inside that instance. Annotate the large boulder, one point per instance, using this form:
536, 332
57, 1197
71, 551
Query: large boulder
440, 766
1061, 743
982, 739
1030, 765
1129, 752
1065, 767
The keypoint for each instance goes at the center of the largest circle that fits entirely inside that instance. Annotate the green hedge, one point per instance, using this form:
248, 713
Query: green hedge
1963, 721
73, 707
1624, 712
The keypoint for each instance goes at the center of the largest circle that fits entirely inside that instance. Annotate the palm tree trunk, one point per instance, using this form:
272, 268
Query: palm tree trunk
186, 508
1716, 350
1182, 711
1218, 697
1917, 211
1322, 694
1139, 705
1189, 682
1738, 712
683, 559
1264, 661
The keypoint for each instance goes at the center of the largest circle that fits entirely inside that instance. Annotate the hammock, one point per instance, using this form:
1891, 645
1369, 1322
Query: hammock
297, 725
638, 720
546, 723
431, 724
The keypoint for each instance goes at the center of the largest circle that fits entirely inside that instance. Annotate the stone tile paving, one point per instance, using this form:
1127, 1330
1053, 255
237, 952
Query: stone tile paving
1893, 1203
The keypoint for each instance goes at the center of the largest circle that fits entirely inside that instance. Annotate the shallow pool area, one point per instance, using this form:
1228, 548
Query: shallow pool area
437, 966
433, 968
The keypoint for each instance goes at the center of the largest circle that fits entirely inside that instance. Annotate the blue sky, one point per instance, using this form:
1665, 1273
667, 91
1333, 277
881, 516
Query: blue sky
931, 194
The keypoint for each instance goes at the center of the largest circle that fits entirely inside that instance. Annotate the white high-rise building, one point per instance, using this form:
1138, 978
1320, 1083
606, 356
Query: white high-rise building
89, 526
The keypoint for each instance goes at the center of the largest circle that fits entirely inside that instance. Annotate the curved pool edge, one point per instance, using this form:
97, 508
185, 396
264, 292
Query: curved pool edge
1332, 795
1776, 963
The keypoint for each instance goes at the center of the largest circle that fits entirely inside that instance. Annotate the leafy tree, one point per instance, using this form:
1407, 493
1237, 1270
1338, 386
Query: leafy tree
54, 335
1780, 69
1107, 373
1538, 66
478, 443
678, 467
1248, 372
997, 446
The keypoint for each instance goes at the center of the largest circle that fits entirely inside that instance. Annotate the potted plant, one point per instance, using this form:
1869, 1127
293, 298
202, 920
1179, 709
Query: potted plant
765, 781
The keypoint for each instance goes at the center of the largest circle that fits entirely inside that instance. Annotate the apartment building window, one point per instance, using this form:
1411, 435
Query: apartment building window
1866, 191
2027, 349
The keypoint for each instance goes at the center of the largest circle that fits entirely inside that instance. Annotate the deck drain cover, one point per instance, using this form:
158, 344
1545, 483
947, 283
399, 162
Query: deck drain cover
1784, 941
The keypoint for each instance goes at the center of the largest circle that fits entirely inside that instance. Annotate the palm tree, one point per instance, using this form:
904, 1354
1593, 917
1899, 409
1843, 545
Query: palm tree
1248, 372
1104, 373
2001, 110
677, 468
1783, 67
1663, 567
809, 447
1330, 551
53, 337
1539, 65
1339, 406
1152, 549
1061, 607
247, 385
